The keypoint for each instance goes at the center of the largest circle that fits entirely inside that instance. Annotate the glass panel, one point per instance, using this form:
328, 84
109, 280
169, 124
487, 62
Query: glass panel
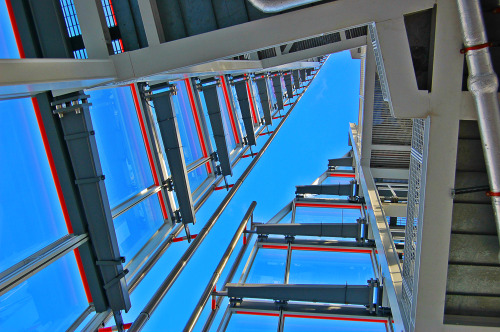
268, 267
256, 99
136, 226
237, 106
119, 140
326, 215
197, 176
51, 300
252, 323
8, 47
30, 211
207, 118
271, 93
327, 267
187, 129
294, 324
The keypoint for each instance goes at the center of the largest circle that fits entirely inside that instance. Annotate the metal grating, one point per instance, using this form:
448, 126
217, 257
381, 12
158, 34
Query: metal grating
414, 189
70, 18
315, 42
379, 62
388, 130
390, 159
267, 53
356, 32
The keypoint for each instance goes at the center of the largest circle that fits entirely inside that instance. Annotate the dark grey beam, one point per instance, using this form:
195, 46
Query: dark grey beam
214, 113
288, 85
349, 230
74, 115
309, 71
302, 74
340, 161
309, 308
296, 79
326, 189
129, 21
169, 129
317, 243
345, 294
325, 201
243, 100
264, 99
277, 91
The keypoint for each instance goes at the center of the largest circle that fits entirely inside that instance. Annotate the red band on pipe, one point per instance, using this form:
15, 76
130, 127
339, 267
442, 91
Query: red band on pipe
475, 47
224, 187
370, 320
262, 134
257, 313
492, 193
343, 175
348, 250
333, 206
268, 246
278, 117
213, 298
244, 240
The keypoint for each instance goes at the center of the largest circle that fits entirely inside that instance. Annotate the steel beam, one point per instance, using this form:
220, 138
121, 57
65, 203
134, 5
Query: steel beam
296, 79
349, 230
38, 261
302, 74
264, 99
243, 100
288, 85
76, 123
215, 116
169, 129
94, 29
277, 91
345, 294
340, 161
326, 189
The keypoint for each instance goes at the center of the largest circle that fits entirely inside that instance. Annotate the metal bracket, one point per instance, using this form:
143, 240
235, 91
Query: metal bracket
112, 262
115, 279
89, 180
214, 156
289, 238
233, 301
461, 191
169, 184
80, 135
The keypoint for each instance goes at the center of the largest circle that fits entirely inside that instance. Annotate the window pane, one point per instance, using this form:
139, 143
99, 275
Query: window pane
8, 47
326, 215
30, 211
294, 324
136, 226
230, 140
272, 93
268, 267
187, 128
197, 176
256, 99
121, 148
51, 300
252, 323
237, 106
327, 267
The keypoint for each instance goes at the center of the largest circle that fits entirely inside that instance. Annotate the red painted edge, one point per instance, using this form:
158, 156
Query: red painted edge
250, 99
333, 206
148, 149
269, 246
359, 251
257, 313
13, 22
112, 12
343, 175
368, 320
197, 123
229, 110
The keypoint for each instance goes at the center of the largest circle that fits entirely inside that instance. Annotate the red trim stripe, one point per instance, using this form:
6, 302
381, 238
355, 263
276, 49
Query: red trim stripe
148, 149
269, 246
336, 175
229, 110
13, 22
197, 123
332, 206
348, 250
257, 313
250, 99
349, 319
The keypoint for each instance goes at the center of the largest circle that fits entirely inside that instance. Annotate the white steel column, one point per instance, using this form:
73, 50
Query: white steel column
91, 20
151, 21
367, 116
433, 237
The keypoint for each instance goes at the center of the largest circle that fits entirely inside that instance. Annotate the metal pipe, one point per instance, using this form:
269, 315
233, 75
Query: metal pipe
217, 273
483, 84
181, 264
276, 6
229, 277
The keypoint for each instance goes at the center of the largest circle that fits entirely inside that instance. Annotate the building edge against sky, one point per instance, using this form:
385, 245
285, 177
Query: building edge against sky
416, 150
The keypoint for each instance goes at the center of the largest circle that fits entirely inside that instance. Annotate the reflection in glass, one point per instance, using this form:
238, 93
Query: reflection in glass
327, 267
230, 140
237, 106
187, 129
322, 324
136, 226
326, 215
30, 211
121, 148
197, 176
50, 300
8, 47
268, 267
256, 99
251, 323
